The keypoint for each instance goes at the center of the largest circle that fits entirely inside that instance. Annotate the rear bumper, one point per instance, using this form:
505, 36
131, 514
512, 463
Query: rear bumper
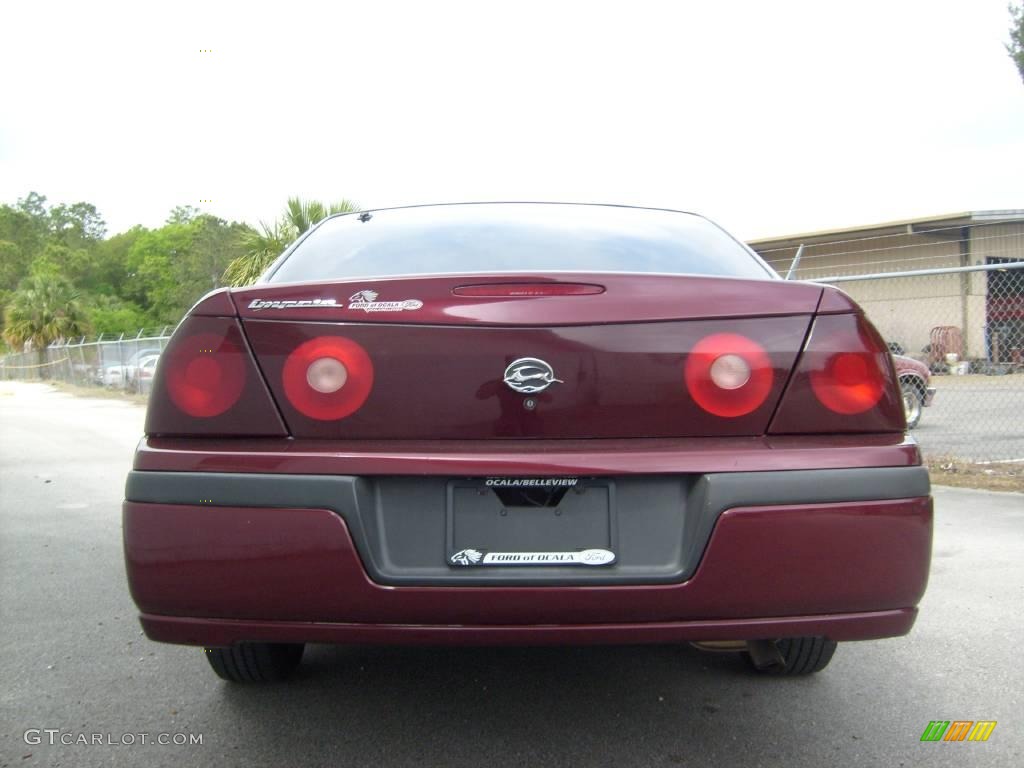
399, 528
785, 554
224, 632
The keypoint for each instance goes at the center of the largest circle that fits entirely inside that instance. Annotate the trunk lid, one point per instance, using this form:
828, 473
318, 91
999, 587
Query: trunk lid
616, 349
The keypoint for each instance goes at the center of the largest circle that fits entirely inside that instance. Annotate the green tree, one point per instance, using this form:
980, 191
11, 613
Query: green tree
38, 239
266, 244
170, 268
34, 205
154, 265
215, 246
51, 253
11, 272
77, 223
303, 214
1016, 45
108, 274
183, 214
109, 314
260, 249
44, 309
23, 235
21, 238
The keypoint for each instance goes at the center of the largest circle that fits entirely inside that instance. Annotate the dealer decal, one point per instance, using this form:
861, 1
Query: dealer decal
367, 302
479, 557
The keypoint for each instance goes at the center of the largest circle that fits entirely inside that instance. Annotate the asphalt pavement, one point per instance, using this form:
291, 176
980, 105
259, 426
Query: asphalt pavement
73, 660
975, 418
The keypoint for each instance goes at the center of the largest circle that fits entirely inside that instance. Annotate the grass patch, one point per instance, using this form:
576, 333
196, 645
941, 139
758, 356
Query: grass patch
107, 393
949, 470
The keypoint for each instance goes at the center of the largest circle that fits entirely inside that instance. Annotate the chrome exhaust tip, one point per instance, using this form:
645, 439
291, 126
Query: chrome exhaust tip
765, 655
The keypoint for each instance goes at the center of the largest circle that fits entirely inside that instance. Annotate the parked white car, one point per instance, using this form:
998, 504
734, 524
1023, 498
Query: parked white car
119, 375
147, 369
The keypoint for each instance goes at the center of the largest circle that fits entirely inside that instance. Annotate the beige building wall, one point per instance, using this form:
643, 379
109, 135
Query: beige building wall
906, 309
1004, 241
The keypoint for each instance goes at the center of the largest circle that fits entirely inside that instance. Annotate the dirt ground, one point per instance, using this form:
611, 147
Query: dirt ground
964, 474
108, 393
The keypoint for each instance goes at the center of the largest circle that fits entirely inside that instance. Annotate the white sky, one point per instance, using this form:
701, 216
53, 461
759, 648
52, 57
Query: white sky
770, 117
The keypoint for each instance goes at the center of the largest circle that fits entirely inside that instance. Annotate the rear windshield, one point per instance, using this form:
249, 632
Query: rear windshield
516, 237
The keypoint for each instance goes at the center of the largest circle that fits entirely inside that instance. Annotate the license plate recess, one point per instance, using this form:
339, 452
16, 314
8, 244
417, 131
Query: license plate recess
511, 522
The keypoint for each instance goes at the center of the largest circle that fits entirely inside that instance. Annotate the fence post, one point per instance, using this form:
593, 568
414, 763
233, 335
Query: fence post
120, 357
68, 366
81, 357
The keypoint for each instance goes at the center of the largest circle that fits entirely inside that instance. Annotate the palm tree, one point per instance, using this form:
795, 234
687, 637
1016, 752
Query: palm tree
265, 245
261, 248
44, 309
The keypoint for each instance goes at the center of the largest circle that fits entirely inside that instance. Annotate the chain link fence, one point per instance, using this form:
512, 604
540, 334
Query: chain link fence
949, 300
123, 362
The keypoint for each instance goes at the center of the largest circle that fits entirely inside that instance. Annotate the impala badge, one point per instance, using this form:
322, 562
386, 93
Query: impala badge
529, 375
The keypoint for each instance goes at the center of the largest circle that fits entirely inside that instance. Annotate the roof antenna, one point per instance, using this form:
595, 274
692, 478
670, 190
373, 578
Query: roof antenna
796, 262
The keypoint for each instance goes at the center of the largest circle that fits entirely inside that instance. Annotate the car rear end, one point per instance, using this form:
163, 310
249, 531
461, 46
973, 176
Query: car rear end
526, 456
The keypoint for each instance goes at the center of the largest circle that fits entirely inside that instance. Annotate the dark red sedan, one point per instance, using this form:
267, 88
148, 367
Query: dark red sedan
525, 424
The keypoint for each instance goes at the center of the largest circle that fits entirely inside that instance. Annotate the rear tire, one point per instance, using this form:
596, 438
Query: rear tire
802, 656
913, 401
255, 662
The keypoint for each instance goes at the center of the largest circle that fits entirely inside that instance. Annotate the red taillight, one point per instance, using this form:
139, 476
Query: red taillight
848, 383
205, 374
728, 375
844, 382
328, 378
207, 384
